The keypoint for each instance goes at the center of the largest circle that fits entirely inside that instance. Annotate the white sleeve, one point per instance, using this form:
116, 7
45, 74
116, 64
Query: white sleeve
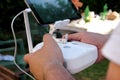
111, 50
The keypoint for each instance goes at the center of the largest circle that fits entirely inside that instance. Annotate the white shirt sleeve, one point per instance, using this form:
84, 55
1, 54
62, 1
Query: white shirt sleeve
111, 50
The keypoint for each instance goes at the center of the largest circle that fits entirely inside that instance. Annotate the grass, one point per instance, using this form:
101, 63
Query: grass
95, 72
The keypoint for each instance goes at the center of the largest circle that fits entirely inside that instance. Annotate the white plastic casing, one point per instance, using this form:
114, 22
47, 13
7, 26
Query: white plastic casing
77, 55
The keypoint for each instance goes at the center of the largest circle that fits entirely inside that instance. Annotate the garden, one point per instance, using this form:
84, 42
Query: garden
9, 8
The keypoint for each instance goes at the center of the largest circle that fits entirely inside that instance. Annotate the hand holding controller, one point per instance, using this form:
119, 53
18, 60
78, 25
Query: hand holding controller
77, 55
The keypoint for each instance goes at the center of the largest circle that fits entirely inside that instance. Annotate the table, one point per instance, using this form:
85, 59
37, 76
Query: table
96, 26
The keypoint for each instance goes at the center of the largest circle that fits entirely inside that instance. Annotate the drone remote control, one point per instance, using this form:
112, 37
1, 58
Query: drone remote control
77, 55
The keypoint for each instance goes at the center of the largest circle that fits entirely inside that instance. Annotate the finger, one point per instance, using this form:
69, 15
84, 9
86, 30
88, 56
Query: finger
27, 57
51, 45
75, 36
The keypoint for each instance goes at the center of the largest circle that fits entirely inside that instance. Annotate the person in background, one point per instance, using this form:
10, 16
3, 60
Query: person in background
77, 4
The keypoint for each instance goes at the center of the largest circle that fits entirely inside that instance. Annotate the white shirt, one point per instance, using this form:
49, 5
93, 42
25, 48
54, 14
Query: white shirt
111, 50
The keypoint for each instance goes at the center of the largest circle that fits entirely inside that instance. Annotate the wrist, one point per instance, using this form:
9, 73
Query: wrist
52, 66
57, 72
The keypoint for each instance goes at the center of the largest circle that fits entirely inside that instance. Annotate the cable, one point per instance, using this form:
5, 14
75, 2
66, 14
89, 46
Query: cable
15, 51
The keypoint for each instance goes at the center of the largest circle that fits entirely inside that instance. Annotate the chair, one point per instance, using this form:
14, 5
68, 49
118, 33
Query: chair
7, 74
7, 47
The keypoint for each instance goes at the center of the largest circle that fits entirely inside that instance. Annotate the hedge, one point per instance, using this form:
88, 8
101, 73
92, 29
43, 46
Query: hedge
9, 8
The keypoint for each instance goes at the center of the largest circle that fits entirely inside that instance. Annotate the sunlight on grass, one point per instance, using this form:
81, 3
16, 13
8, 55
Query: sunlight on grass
95, 72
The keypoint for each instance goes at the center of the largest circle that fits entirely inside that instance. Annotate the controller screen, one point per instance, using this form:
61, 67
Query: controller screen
49, 11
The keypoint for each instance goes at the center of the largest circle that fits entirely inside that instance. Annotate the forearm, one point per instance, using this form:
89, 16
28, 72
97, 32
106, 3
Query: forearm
113, 72
57, 72
100, 54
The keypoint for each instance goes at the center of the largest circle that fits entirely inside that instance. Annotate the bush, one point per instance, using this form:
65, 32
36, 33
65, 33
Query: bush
9, 8
97, 5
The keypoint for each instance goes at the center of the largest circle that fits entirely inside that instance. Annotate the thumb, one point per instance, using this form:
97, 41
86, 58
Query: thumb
26, 58
49, 41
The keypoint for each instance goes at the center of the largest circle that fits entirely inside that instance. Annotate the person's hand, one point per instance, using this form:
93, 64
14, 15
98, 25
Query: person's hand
45, 57
91, 38
77, 3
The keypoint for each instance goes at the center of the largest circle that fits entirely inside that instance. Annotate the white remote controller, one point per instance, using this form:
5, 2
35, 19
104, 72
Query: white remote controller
77, 55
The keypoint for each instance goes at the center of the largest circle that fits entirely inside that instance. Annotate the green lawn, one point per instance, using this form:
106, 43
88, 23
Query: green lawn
95, 72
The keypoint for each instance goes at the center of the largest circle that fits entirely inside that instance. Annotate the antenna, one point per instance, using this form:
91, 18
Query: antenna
27, 27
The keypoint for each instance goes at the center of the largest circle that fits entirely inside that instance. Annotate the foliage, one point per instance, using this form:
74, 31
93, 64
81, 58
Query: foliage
9, 8
3, 35
97, 5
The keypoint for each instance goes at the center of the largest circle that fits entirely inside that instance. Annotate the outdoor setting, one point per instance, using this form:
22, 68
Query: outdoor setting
96, 16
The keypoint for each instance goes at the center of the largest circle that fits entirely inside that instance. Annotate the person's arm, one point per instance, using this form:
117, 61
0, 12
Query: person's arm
113, 72
47, 62
111, 51
57, 72
91, 38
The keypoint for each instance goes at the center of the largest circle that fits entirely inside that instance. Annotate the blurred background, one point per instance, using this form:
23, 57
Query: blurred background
9, 8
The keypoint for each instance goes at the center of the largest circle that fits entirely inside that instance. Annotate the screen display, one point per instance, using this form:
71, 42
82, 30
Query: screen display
49, 11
